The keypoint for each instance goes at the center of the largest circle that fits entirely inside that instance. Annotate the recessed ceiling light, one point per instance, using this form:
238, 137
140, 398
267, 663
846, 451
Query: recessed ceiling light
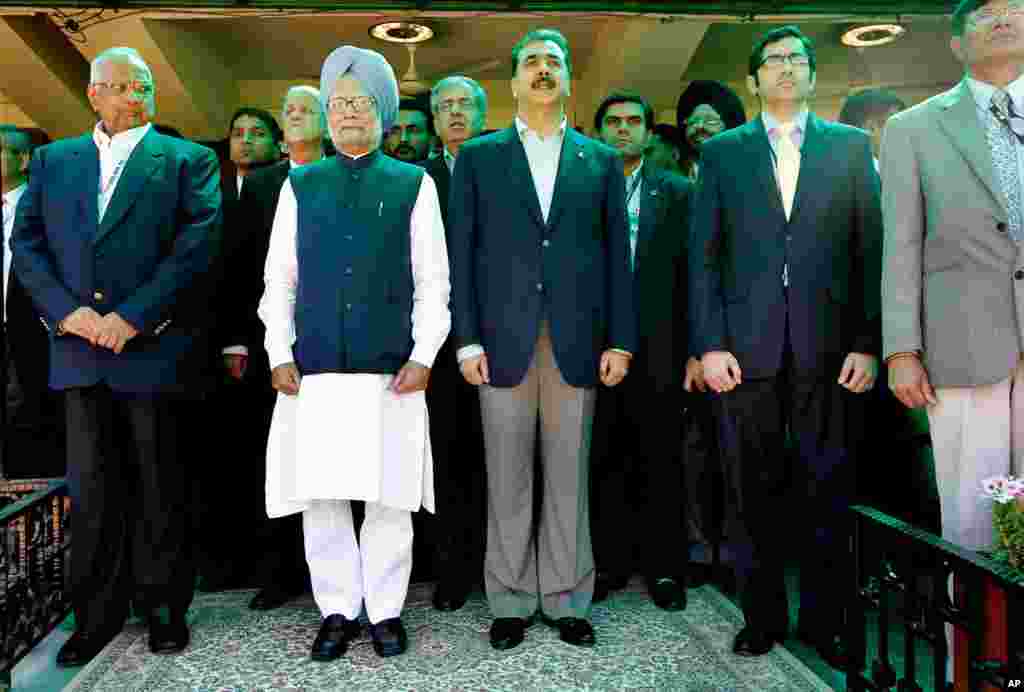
402, 32
872, 35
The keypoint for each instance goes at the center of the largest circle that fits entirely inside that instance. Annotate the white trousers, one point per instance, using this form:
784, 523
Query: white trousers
977, 432
344, 573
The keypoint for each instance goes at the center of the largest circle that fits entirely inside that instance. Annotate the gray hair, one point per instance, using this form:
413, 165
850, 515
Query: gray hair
117, 54
479, 95
315, 93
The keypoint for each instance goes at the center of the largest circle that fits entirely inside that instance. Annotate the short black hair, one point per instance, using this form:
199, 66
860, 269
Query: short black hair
420, 105
962, 11
263, 116
623, 96
774, 36
669, 134
553, 35
867, 104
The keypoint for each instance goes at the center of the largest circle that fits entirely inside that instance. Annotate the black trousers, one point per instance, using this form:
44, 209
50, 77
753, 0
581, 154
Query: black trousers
639, 506
238, 542
457, 531
784, 443
131, 510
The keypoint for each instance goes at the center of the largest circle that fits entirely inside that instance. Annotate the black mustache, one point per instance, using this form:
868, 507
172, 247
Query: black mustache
542, 81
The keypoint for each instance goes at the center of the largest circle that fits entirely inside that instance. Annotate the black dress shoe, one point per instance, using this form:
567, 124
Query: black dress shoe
755, 642
449, 596
605, 583
508, 633
831, 648
168, 637
668, 593
270, 597
81, 648
389, 637
575, 631
331, 642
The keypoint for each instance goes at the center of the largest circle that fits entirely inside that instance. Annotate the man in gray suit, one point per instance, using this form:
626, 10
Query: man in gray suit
953, 273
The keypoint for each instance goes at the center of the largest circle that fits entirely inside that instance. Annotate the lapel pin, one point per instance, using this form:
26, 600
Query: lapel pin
580, 154
654, 193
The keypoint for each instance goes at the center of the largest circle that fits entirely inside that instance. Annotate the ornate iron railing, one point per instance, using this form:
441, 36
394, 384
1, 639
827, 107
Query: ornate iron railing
35, 551
923, 616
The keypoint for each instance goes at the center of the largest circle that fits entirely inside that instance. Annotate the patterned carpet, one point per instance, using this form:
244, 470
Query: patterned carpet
639, 647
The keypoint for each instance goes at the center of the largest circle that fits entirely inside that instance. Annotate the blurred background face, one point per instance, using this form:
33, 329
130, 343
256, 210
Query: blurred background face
661, 153
703, 124
353, 119
122, 94
13, 163
302, 120
624, 128
785, 83
542, 78
994, 32
408, 139
252, 143
457, 118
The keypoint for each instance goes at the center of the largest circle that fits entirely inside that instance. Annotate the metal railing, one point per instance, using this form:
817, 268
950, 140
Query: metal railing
35, 551
925, 612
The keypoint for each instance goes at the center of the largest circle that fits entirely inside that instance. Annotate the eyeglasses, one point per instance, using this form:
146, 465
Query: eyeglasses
356, 104
778, 60
987, 17
710, 121
464, 104
134, 87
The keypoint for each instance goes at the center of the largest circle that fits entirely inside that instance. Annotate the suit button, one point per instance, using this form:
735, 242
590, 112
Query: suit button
1019, 274
349, 205
545, 242
98, 296
540, 287
355, 176
348, 271
348, 306
1001, 227
348, 237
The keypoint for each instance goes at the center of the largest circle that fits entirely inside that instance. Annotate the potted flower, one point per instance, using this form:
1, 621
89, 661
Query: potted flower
1007, 495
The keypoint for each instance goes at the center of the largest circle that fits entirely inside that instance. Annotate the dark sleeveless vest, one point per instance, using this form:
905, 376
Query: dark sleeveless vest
353, 310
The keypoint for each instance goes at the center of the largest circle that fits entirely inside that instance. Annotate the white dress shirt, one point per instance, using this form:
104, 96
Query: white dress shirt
114, 154
982, 93
634, 192
542, 155
10, 206
449, 160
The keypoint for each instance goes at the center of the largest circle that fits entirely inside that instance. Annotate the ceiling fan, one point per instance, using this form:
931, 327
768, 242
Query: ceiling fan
411, 34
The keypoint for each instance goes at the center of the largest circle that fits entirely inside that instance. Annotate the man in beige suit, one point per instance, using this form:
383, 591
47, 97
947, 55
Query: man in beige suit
953, 285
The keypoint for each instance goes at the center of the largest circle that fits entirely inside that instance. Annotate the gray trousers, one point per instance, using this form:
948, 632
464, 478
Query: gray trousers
555, 572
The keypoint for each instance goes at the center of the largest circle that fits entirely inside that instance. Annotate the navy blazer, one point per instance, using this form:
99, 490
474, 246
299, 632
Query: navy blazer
146, 261
741, 241
507, 263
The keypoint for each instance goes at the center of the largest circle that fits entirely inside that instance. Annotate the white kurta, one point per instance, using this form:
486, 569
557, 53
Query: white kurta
347, 436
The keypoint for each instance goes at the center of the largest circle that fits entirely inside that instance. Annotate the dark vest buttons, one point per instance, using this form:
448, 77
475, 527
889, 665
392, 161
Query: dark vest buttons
1001, 227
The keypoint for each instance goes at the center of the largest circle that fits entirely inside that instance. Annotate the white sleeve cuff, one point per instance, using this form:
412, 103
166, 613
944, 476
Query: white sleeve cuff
467, 352
235, 351
280, 356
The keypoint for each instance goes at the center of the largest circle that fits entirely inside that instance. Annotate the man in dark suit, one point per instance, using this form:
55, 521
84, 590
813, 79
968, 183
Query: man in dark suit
112, 239
638, 473
33, 422
269, 549
459, 106
543, 300
785, 271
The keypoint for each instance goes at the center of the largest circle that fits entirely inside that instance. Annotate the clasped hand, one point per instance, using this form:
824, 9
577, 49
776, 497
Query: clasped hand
108, 331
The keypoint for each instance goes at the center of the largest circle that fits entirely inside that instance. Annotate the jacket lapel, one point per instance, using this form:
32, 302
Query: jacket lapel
572, 158
763, 163
87, 160
141, 165
519, 175
813, 162
959, 120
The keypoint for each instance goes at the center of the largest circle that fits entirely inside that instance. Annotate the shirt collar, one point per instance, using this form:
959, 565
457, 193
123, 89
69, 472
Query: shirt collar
523, 129
127, 139
772, 123
292, 164
983, 92
636, 171
12, 196
449, 159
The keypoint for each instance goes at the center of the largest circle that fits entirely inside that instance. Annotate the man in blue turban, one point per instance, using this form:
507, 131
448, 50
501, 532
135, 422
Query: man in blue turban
356, 309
